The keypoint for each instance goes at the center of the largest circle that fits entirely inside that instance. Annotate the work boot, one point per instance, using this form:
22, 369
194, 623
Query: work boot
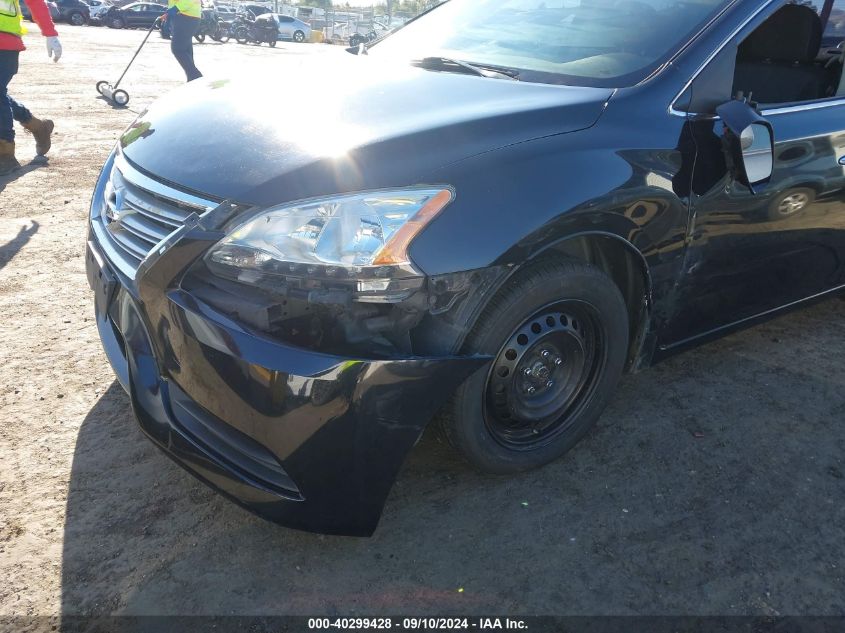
8, 162
41, 129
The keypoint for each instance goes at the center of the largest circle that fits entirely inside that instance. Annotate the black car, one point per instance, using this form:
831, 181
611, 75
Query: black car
75, 12
507, 207
27, 14
134, 15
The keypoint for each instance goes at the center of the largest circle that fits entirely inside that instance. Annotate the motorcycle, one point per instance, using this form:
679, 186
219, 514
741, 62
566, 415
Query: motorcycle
256, 30
358, 38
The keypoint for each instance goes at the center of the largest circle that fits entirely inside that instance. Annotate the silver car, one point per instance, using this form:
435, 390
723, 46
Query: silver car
293, 29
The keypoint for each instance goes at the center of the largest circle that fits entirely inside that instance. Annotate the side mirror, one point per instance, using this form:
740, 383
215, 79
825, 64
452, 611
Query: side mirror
750, 143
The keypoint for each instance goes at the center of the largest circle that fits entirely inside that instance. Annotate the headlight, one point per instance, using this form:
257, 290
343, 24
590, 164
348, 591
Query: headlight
360, 239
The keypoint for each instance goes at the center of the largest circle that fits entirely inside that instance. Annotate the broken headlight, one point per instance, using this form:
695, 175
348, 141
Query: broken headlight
355, 242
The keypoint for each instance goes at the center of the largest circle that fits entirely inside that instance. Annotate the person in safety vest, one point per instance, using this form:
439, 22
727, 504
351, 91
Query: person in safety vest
11, 44
184, 19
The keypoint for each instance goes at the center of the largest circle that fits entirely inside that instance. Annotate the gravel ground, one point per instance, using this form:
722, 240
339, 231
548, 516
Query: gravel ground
713, 485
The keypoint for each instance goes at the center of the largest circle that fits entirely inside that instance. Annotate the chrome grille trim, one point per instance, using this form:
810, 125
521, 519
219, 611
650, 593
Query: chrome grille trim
137, 213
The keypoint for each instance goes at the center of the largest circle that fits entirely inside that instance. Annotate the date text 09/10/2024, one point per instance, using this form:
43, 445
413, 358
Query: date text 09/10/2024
417, 624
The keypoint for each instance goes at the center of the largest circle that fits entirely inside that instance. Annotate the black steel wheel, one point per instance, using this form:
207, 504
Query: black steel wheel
542, 373
242, 35
558, 335
76, 18
117, 23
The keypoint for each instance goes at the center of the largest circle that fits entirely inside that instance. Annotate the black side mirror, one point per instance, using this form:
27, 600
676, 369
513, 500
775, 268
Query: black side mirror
750, 143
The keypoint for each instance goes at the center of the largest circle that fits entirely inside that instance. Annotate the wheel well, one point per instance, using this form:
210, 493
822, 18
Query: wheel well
625, 266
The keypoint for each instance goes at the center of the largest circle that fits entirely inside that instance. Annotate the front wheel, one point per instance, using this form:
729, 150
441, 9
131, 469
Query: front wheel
200, 37
76, 18
242, 35
558, 333
272, 43
298, 37
117, 23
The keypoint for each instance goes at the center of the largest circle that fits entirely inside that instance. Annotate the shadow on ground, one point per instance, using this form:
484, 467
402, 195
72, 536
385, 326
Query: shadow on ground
713, 485
21, 172
13, 246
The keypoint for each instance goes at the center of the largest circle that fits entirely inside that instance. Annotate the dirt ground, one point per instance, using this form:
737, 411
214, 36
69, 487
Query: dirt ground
713, 485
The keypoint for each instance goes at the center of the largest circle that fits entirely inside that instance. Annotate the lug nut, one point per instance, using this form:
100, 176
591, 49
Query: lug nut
545, 353
558, 361
550, 384
527, 371
531, 391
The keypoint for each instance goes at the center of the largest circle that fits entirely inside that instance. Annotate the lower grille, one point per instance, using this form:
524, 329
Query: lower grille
138, 212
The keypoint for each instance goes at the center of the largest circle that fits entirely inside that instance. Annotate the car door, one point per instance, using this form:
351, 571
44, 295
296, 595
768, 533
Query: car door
286, 27
131, 14
751, 252
149, 14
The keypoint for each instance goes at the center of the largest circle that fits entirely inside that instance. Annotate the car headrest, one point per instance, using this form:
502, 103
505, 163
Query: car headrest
793, 34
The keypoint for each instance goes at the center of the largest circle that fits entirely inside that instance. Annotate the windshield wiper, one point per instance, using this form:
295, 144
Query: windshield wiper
447, 64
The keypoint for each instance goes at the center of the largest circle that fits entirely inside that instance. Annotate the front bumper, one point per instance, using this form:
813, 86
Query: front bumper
307, 440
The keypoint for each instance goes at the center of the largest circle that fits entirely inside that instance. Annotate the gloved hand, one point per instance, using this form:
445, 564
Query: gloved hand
171, 13
54, 48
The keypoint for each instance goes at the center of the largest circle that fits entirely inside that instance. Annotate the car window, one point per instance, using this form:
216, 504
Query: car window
785, 61
579, 42
284, 18
834, 31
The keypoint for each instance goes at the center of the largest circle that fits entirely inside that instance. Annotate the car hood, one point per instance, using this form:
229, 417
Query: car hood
337, 122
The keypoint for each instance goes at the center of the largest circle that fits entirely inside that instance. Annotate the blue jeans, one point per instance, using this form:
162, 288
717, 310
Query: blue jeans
182, 31
10, 110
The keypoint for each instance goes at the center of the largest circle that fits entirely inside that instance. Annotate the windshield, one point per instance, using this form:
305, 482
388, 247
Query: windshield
605, 43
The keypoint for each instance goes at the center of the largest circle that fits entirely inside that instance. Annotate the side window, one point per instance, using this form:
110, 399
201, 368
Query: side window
834, 31
784, 61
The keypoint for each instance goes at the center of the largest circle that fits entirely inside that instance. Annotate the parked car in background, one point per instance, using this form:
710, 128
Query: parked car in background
74, 12
293, 29
510, 204
226, 13
134, 15
51, 5
98, 9
254, 9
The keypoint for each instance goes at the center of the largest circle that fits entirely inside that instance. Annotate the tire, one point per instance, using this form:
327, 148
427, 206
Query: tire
76, 18
791, 203
355, 40
242, 35
200, 37
272, 43
558, 332
117, 23
120, 98
298, 37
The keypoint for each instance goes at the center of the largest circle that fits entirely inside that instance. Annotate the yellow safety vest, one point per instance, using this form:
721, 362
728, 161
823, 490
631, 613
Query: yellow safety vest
191, 8
11, 20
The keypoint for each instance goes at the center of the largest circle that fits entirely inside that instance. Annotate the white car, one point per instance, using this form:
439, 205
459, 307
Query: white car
293, 29
98, 8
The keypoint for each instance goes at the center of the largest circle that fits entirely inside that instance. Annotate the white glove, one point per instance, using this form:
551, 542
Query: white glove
54, 48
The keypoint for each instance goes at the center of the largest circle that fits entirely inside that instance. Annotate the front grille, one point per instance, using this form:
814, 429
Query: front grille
138, 212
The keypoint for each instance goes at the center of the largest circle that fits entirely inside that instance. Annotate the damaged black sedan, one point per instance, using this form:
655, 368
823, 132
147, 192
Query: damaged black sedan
510, 204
